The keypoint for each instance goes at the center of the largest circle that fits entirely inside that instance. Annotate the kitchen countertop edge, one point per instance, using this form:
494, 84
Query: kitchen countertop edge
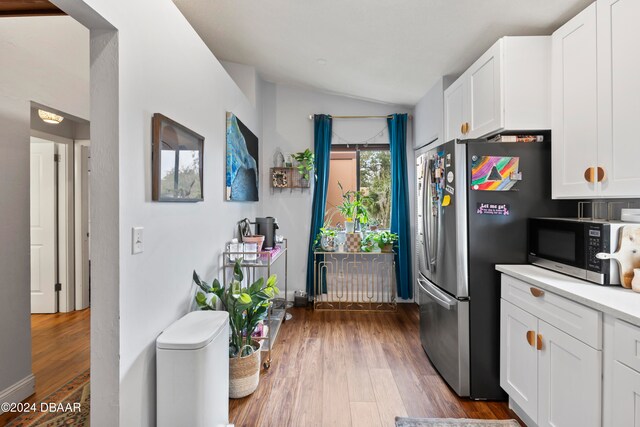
613, 300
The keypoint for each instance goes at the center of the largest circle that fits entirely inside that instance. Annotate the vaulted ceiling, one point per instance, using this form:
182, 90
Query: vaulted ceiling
390, 51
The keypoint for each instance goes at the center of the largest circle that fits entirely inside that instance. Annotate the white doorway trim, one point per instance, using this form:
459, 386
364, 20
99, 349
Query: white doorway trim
65, 219
81, 223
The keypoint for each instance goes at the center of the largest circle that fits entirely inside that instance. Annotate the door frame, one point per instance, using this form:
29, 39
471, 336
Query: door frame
65, 219
82, 299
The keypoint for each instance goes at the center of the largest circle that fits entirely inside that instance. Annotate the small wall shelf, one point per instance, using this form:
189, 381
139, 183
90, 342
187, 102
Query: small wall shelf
283, 178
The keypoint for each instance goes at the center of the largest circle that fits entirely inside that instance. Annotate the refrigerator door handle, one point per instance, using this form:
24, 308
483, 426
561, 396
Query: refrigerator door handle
439, 297
428, 217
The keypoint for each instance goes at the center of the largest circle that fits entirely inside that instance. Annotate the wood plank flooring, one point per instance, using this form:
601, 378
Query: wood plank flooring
60, 352
352, 369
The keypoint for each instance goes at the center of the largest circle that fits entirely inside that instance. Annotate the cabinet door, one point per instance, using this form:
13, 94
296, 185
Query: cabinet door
625, 402
454, 109
569, 380
574, 109
619, 96
485, 100
519, 357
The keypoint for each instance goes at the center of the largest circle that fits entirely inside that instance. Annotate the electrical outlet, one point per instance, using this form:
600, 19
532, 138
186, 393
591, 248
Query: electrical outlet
137, 242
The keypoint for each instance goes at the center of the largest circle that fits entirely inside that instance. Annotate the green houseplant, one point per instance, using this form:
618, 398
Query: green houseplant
353, 208
305, 164
247, 307
326, 239
386, 240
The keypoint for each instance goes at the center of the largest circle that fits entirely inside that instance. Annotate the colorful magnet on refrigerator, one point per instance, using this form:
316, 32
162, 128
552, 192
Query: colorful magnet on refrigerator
446, 200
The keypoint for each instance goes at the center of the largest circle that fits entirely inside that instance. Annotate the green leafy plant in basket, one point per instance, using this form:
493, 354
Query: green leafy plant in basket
247, 306
305, 163
386, 240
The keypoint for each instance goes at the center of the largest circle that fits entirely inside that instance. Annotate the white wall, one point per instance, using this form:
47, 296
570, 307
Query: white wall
51, 71
286, 126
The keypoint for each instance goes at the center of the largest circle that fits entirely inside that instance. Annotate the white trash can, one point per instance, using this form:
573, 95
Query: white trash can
193, 371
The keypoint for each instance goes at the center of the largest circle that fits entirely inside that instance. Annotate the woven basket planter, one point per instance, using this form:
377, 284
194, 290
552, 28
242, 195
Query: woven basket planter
244, 374
387, 248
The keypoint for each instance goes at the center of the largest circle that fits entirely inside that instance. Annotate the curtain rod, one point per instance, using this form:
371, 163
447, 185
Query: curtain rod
359, 117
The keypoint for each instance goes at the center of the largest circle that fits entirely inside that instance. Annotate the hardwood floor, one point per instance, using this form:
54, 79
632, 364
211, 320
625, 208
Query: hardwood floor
60, 352
353, 369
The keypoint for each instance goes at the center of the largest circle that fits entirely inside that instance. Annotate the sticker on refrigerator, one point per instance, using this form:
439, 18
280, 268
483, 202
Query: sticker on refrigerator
449, 189
501, 209
449, 177
492, 173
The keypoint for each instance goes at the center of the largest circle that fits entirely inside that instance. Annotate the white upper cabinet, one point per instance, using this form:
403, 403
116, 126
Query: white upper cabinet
596, 100
506, 89
574, 105
454, 110
619, 97
428, 115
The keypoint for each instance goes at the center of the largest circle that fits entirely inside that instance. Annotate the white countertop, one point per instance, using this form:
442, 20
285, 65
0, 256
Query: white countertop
614, 300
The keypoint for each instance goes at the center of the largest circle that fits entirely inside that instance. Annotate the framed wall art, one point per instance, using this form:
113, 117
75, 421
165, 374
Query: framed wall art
177, 157
242, 162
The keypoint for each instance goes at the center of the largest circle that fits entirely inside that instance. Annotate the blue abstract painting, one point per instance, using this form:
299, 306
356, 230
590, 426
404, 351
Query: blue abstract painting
242, 161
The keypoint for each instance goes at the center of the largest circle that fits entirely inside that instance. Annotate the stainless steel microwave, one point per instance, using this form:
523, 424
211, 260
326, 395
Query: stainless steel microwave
569, 246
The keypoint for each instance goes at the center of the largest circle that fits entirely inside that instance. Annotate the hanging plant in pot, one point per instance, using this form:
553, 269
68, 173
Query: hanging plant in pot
305, 166
247, 307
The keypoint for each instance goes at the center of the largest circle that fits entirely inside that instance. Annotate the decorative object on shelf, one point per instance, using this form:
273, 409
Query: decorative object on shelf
278, 159
354, 242
288, 160
247, 306
305, 166
279, 179
326, 239
244, 228
177, 170
627, 255
242, 162
257, 239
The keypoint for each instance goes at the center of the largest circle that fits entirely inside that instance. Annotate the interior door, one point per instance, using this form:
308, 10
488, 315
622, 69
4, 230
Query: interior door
43, 227
569, 380
574, 108
618, 97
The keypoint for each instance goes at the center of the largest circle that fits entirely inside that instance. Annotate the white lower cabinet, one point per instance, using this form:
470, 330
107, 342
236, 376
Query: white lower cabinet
625, 397
569, 380
554, 378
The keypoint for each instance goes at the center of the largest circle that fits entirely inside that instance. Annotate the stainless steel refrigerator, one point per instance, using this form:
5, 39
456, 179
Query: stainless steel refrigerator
473, 200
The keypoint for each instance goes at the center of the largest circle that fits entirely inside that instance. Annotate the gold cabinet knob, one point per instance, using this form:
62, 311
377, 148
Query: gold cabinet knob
589, 175
539, 344
531, 338
466, 128
600, 174
536, 292
462, 129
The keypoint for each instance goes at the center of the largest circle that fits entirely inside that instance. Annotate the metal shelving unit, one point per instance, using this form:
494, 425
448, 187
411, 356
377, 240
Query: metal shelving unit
253, 263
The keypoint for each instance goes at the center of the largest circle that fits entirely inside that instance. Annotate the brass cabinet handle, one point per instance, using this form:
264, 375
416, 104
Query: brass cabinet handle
462, 129
600, 175
539, 342
531, 338
466, 128
589, 175
536, 292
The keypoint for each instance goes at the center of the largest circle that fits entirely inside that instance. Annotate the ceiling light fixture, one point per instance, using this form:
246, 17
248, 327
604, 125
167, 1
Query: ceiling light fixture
49, 117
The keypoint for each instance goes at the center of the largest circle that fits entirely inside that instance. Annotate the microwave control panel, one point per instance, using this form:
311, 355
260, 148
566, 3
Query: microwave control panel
597, 240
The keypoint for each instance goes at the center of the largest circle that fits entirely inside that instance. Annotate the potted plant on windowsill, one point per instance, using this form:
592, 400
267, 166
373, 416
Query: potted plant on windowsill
305, 166
247, 307
354, 209
386, 240
326, 239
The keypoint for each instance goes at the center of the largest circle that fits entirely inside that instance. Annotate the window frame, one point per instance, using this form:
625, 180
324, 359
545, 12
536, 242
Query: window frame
358, 148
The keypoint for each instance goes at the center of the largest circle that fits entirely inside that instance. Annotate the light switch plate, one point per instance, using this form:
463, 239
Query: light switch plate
137, 241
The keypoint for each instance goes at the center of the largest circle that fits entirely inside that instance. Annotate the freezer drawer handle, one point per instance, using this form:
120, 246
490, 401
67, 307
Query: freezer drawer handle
531, 338
440, 299
536, 292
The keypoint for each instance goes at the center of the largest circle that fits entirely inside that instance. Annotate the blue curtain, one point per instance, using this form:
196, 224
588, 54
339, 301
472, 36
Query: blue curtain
322, 146
400, 217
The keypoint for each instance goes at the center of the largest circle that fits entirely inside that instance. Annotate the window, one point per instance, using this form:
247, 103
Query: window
361, 168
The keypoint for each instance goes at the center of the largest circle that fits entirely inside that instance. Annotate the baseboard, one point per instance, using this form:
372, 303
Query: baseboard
520, 412
18, 391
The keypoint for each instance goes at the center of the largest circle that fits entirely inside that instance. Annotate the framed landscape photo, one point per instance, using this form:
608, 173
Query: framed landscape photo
177, 156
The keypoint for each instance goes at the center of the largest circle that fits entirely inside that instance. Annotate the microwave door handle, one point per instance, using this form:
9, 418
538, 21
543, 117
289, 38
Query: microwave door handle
440, 298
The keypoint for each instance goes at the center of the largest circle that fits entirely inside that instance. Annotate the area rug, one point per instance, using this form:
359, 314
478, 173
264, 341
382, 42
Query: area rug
453, 422
67, 406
